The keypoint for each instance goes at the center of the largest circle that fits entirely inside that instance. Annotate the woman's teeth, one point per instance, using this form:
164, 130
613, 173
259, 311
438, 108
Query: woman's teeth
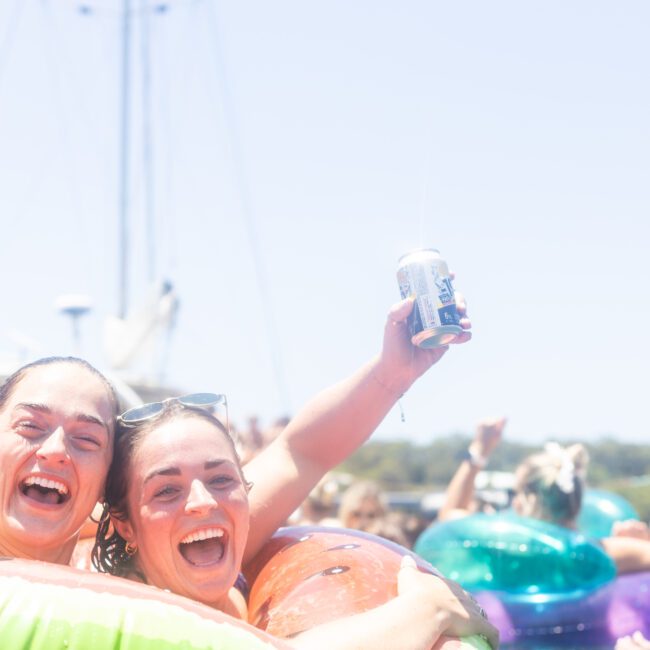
199, 535
44, 490
46, 483
203, 548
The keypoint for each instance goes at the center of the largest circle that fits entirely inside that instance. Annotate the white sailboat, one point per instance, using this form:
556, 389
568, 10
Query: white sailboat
136, 340
147, 177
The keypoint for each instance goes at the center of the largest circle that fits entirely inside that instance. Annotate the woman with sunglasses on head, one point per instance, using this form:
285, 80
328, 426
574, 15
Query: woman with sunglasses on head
178, 517
56, 439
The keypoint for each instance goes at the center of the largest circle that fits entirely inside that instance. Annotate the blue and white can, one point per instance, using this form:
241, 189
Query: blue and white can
434, 321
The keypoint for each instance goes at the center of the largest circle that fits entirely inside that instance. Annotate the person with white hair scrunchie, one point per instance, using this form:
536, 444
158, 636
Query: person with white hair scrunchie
549, 486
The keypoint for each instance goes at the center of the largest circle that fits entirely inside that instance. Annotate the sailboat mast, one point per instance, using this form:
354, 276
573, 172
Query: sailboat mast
123, 174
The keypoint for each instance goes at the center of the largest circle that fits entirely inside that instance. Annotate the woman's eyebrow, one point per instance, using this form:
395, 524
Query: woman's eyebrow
84, 417
165, 471
211, 464
175, 471
79, 417
43, 408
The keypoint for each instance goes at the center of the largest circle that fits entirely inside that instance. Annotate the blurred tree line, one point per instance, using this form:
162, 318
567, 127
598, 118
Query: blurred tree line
403, 465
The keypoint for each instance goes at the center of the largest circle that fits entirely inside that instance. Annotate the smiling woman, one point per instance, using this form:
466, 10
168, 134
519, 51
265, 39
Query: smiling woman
56, 445
177, 517
179, 507
181, 518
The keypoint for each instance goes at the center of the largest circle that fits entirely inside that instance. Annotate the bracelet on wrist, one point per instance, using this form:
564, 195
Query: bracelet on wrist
474, 458
396, 394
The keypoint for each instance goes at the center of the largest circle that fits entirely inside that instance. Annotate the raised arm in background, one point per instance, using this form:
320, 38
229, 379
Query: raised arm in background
460, 491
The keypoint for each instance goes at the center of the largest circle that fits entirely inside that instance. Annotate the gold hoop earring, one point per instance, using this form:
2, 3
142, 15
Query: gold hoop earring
131, 549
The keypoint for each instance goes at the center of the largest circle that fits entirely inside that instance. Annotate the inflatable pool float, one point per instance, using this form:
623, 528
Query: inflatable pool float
303, 577
50, 607
306, 576
541, 585
629, 608
600, 510
579, 619
505, 552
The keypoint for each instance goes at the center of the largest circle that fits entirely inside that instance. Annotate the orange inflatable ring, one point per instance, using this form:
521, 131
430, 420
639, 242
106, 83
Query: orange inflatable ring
308, 575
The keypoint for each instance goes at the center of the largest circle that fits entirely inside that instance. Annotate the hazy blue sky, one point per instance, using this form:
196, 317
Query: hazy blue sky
320, 141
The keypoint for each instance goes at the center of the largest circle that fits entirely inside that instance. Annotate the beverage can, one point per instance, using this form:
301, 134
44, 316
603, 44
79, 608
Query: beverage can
434, 321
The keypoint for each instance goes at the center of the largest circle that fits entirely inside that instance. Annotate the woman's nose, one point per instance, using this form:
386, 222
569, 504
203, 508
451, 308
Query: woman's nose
200, 500
53, 448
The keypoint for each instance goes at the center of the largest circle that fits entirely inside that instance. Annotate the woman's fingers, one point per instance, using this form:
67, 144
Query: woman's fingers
399, 312
462, 613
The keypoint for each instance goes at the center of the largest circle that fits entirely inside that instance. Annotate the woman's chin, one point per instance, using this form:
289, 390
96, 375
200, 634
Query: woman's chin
210, 584
214, 595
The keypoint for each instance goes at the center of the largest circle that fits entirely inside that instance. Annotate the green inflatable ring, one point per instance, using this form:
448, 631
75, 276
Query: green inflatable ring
50, 607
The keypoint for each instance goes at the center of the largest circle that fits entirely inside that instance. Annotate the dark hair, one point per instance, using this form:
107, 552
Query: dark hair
109, 552
8, 387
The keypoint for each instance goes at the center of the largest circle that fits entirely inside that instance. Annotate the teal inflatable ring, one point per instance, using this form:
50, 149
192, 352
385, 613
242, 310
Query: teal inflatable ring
514, 554
600, 510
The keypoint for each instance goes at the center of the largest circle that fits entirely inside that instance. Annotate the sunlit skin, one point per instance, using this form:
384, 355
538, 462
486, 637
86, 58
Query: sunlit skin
184, 481
56, 444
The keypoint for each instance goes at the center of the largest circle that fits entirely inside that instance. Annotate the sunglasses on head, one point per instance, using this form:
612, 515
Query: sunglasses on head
206, 401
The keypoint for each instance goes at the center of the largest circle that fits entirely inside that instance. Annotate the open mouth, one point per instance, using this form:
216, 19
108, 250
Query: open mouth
45, 490
203, 547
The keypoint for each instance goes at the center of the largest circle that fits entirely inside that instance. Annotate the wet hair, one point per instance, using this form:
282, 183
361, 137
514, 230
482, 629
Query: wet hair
555, 478
8, 387
354, 497
109, 552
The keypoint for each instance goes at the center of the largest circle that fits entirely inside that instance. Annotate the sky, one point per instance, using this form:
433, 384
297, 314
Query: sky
291, 152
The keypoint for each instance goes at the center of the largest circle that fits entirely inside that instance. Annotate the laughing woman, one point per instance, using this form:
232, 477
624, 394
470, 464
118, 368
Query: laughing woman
56, 444
57, 429
178, 517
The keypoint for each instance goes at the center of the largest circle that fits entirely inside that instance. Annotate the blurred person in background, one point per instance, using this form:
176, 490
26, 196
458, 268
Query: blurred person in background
249, 440
319, 508
549, 485
362, 504
391, 527
253, 439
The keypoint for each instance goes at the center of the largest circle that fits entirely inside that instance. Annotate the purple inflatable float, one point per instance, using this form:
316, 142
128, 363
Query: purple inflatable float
578, 619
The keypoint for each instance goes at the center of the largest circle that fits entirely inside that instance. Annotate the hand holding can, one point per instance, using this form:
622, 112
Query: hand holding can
400, 363
434, 321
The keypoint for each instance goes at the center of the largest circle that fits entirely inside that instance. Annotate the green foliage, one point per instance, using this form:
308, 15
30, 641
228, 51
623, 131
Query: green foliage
406, 466
612, 460
637, 492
